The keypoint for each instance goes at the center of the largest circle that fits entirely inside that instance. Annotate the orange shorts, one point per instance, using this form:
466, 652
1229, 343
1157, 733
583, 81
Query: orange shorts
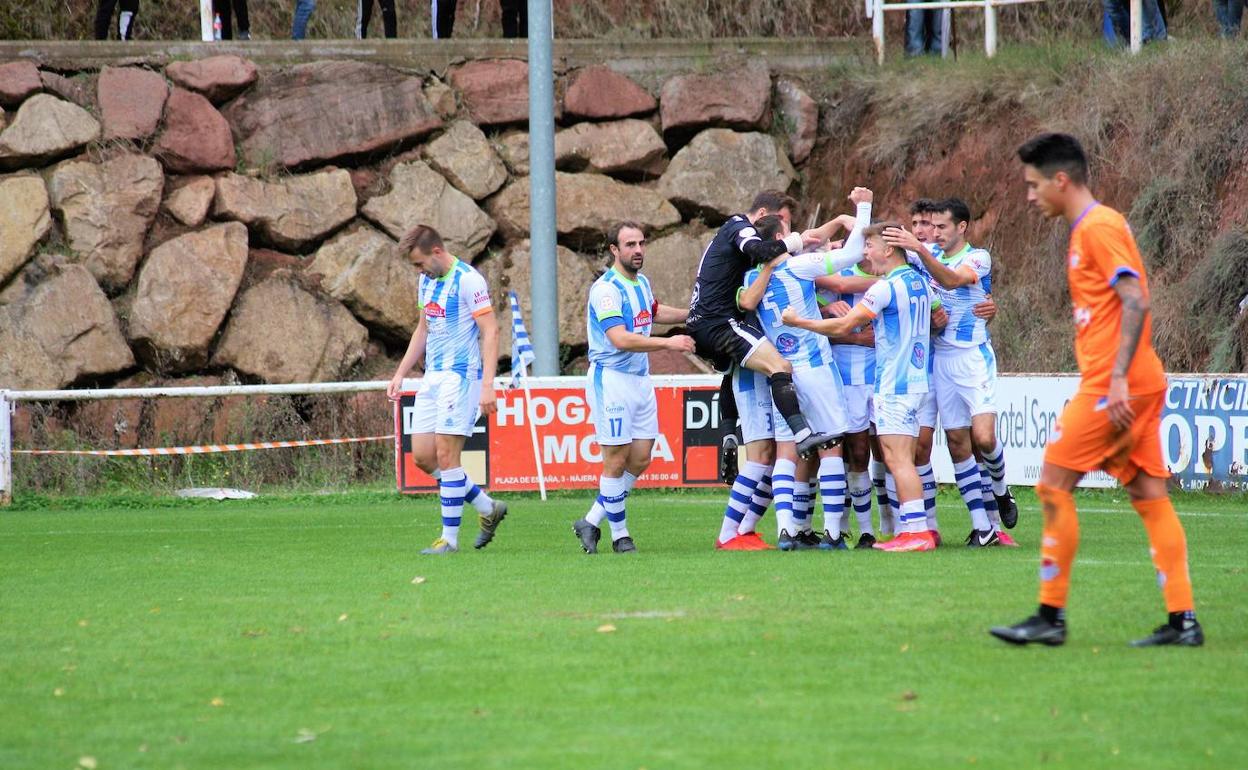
1085, 440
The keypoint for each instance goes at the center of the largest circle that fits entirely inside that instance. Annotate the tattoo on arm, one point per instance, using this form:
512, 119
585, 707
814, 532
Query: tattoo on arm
1134, 311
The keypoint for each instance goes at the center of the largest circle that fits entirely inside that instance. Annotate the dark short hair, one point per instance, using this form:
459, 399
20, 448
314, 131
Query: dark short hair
613, 233
768, 227
1052, 152
773, 201
923, 206
421, 237
955, 207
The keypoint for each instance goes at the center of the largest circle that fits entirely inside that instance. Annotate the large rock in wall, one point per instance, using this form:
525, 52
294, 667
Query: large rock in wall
24, 221
739, 99
131, 101
322, 111
196, 138
216, 78
587, 204
45, 128
576, 273
18, 80
106, 209
625, 148
282, 333
720, 171
799, 118
184, 291
465, 157
362, 268
494, 91
420, 195
600, 93
292, 213
63, 331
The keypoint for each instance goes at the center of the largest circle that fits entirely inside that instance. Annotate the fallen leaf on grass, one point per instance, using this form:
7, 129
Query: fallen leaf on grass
58, 692
87, 762
84, 623
296, 629
142, 748
418, 580
342, 617
905, 648
606, 628
909, 695
255, 633
305, 736
217, 702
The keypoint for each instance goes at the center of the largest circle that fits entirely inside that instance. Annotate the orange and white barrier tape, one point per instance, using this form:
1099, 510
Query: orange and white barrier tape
201, 450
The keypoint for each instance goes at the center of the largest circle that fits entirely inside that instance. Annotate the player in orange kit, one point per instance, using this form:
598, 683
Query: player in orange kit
1113, 422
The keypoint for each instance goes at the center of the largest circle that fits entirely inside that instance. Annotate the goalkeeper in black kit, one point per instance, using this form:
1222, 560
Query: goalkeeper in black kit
727, 339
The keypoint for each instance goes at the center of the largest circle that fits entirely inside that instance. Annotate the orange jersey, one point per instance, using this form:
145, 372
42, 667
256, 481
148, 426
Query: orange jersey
1102, 250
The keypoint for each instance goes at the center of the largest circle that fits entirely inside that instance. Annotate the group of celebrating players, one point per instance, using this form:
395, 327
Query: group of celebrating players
836, 352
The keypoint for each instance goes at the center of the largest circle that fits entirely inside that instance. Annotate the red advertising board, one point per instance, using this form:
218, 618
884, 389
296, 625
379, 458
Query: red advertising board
500, 453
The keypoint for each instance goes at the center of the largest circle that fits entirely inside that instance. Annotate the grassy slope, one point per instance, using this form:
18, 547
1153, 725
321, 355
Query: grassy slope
301, 615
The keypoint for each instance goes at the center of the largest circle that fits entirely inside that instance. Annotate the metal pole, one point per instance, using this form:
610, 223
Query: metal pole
990, 29
205, 20
544, 277
6, 449
1137, 25
877, 31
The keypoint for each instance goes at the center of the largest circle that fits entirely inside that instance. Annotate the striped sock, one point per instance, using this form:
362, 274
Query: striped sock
782, 490
758, 503
891, 485
451, 486
994, 461
911, 516
596, 511
860, 496
990, 501
739, 499
801, 509
928, 478
879, 473
966, 474
477, 498
832, 493
612, 491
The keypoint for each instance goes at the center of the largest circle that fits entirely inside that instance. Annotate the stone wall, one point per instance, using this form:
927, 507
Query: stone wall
210, 217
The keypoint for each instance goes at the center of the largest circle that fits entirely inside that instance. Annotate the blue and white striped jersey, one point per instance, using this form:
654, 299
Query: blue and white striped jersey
900, 304
451, 305
855, 362
964, 329
618, 301
792, 285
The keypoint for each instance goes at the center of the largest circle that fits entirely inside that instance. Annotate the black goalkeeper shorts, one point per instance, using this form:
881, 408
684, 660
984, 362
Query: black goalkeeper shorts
726, 342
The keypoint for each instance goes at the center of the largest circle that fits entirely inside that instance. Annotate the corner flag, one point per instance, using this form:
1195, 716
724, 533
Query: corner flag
522, 355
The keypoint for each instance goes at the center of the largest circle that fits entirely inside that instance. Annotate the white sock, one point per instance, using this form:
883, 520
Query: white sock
994, 461
613, 491
477, 497
758, 503
451, 487
911, 517
630, 481
966, 474
990, 502
832, 494
739, 498
927, 477
782, 493
860, 496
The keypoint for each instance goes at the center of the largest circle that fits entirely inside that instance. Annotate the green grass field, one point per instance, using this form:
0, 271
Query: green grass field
289, 633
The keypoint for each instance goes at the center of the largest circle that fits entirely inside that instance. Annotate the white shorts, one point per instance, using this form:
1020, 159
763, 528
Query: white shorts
622, 406
753, 396
897, 415
858, 407
965, 380
823, 404
447, 404
927, 410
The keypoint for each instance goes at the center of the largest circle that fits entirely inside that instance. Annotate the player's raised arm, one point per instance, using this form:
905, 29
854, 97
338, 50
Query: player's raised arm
830, 327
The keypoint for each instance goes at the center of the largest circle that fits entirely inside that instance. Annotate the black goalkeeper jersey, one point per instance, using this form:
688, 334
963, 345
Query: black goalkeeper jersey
721, 272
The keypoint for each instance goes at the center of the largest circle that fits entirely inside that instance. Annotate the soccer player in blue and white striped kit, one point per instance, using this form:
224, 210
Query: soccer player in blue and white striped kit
899, 307
620, 315
789, 283
457, 335
965, 369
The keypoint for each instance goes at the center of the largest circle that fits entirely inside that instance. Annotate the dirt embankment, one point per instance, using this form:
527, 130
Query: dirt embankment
1167, 135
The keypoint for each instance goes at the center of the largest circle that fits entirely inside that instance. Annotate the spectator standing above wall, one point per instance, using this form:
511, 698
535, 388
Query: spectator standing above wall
125, 21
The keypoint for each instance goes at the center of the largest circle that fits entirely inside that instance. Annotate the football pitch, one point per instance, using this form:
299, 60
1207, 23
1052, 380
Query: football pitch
306, 631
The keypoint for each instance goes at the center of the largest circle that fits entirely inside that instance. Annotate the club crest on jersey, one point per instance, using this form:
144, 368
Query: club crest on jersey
434, 310
786, 344
917, 355
1083, 317
916, 285
641, 319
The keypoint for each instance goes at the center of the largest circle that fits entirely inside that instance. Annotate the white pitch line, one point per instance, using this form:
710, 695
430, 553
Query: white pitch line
155, 531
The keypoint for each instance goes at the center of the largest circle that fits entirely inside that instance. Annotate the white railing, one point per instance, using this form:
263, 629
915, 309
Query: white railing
877, 8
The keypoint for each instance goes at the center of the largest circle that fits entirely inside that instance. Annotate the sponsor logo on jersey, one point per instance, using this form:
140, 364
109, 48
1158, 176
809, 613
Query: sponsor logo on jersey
918, 354
787, 344
480, 296
434, 310
641, 319
1083, 317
